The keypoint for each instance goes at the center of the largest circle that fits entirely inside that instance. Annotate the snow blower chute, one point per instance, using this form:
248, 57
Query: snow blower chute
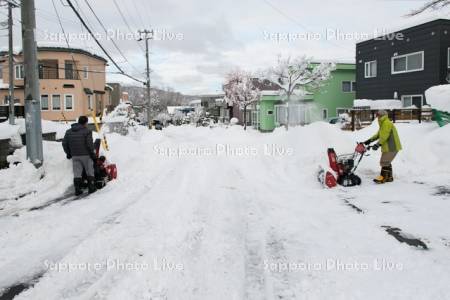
342, 168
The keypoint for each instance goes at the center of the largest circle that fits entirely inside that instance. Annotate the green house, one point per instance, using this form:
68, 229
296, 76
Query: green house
338, 93
333, 98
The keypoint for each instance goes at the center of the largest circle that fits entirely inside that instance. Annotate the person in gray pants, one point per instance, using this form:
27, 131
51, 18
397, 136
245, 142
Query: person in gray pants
78, 146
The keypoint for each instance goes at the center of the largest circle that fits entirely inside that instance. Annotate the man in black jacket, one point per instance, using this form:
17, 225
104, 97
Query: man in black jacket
79, 147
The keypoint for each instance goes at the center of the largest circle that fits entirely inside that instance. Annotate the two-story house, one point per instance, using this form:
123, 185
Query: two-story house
405, 63
72, 82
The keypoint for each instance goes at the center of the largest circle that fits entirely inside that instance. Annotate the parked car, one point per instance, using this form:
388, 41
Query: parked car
336, 120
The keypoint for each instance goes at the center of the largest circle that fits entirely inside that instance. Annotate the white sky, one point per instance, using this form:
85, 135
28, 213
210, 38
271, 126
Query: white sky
209, 38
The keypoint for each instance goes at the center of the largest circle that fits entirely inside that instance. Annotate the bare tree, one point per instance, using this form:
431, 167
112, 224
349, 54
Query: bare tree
240, 89
298, 75
430, 5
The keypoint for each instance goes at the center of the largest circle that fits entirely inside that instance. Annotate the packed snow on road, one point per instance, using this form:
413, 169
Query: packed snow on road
222, 213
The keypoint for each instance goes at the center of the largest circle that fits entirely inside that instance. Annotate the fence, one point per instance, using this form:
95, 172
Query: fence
361, 118
19, 111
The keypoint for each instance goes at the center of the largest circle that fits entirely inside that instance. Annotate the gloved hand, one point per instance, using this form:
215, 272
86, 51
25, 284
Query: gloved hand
376, 146
367, 143
69, 156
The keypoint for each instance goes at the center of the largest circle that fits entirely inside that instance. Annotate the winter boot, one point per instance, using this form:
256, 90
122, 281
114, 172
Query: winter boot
389, 174
77, 183
91, 185
383, 176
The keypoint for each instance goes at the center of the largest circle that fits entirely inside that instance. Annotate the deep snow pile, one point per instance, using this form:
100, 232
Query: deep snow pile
14, 131
439, 97
220, 213
378, 104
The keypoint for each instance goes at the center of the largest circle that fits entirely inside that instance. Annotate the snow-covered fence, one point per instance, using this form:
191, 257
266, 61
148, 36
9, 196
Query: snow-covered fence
299, 114
361, 118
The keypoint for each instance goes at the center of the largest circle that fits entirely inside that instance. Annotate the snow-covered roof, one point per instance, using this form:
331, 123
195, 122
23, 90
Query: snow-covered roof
439, 97
270, 93
195, 102
378, 104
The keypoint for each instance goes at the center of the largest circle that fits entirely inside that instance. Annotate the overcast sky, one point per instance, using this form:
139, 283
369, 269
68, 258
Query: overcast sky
198, 41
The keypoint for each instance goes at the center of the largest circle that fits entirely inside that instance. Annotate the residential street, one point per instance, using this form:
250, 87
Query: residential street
230, 226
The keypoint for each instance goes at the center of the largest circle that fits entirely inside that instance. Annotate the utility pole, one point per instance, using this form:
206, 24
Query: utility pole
33, 124
147, 35
11, 5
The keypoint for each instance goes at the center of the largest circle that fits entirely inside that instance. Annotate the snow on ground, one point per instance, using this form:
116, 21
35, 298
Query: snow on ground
201, 213
439, 97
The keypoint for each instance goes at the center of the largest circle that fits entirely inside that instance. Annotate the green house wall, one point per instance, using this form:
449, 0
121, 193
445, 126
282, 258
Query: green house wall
330, 96
267, 112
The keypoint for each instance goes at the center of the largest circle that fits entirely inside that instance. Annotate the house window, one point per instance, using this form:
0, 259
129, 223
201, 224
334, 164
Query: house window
1, 72
68, 102
448, 58
348, 86
44, 102
85, 72
370, 69
412, 62
90, 103
48, 69
410, 100
56, 102
19, 72
69, 68
324, 114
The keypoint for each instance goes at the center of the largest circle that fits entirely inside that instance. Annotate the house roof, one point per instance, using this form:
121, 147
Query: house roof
68, 50
411, 24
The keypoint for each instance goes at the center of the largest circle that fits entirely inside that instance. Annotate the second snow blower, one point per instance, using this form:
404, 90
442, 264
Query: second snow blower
342, 168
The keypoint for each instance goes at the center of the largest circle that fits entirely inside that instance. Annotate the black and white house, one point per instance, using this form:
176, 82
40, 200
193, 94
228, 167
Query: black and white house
405, 63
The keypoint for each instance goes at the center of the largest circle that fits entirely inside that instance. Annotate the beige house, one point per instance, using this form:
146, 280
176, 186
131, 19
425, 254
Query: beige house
72, 82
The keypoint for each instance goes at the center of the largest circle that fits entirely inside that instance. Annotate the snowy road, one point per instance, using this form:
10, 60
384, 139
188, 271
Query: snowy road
235, 226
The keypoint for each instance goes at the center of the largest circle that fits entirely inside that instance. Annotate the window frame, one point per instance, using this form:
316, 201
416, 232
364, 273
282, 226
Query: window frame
60, 106
368, 63
48, 102
350, 86
85, 72
412, 96
448, 58
90, 102
21, 71
406, 56
65, 102
325, 110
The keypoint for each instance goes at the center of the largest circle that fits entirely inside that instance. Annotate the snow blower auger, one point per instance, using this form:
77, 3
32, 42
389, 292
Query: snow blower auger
342, 168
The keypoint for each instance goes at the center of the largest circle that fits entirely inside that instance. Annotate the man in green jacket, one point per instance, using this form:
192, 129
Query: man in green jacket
389, 141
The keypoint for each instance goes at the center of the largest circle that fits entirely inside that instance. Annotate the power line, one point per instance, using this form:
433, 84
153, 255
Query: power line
298, 23
106, 32
125, 21
99, 44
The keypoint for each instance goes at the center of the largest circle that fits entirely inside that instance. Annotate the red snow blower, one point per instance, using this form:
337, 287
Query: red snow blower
343, 167
103, 170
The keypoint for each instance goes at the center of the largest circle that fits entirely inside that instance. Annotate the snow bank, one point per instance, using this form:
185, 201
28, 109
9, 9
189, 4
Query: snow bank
378, 104
13, 132
439, 97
